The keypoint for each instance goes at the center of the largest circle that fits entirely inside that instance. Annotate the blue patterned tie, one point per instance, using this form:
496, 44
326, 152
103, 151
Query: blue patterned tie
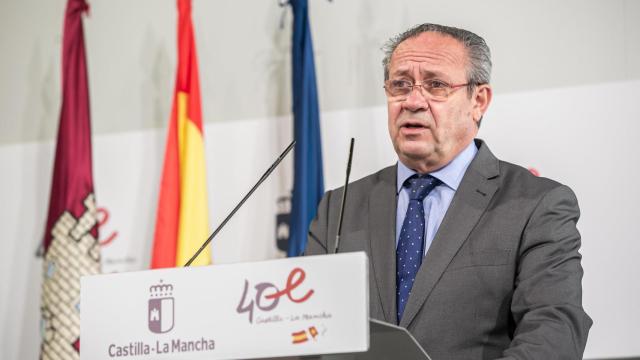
411, 243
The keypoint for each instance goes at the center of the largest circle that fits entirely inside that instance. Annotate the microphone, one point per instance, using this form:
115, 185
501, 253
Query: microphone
224, 222
344, 197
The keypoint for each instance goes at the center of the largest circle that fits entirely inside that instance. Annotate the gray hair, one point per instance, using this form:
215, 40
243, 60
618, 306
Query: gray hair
479, 71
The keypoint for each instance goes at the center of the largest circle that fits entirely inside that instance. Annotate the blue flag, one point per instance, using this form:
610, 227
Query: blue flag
308, 182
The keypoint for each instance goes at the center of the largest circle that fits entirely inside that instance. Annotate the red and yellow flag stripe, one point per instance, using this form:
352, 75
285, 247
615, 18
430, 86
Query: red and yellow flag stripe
299, 337
182, 217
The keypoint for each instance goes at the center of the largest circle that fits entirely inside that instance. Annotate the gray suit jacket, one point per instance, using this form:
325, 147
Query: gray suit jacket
502, 278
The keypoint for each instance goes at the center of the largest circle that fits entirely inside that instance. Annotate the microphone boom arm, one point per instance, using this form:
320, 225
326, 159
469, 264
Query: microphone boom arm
235, 209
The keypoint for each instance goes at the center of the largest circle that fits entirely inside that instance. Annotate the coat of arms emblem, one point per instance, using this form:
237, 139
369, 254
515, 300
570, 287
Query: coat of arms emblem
161, 306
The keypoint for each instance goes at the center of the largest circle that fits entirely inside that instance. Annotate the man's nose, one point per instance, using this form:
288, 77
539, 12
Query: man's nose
416, 101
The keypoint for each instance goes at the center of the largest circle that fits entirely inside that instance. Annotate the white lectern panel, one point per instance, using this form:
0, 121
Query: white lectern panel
297, 306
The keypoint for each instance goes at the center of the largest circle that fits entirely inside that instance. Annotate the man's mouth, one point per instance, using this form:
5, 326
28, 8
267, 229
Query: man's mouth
412, 127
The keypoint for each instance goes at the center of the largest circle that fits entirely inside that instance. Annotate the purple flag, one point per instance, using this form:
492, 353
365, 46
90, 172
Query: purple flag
70, 241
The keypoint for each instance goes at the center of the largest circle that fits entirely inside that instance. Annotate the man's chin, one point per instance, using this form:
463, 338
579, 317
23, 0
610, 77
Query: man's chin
415, 152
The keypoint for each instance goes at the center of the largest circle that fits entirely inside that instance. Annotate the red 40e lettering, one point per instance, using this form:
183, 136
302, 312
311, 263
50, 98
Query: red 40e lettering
267, 295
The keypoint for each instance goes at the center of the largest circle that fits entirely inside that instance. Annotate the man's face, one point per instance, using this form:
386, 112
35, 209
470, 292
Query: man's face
427, 133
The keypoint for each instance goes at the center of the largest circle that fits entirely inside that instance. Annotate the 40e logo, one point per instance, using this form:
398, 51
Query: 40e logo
266, 295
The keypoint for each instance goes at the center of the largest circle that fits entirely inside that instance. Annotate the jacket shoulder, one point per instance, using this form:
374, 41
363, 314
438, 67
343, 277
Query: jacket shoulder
386, 175
359, 190
522, 181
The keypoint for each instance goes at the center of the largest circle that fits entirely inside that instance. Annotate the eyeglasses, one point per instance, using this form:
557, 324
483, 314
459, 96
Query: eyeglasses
399, 90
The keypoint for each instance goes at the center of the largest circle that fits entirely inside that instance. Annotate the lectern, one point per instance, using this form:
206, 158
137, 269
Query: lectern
312, 307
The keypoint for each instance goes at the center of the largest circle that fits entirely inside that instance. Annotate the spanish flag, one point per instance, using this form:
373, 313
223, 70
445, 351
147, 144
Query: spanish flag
181, 222
299, 337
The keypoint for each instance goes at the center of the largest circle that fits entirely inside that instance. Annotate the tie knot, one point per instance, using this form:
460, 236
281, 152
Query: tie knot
420, 186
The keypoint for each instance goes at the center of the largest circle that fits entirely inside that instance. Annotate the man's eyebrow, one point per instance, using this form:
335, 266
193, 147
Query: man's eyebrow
402, 71
424, 73
432, 74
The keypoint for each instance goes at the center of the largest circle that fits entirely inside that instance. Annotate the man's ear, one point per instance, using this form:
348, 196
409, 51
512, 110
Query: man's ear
481, 100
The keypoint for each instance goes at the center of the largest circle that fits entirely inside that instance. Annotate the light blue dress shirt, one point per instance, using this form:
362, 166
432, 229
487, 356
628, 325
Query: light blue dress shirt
438, 200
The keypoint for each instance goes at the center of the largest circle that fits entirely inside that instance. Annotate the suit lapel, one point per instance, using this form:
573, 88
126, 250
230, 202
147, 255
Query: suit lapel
469, 203
382, 219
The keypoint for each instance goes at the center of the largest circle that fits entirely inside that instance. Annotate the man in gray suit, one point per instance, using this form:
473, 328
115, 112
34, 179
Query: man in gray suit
498, 271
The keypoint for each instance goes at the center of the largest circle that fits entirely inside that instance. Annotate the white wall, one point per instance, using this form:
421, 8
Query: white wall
565, 104
244, 56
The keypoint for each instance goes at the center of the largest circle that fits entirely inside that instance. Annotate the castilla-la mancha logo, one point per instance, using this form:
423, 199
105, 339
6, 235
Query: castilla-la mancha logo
161, 305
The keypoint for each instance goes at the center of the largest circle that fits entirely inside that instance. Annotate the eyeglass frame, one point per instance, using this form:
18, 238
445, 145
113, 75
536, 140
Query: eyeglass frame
450, 89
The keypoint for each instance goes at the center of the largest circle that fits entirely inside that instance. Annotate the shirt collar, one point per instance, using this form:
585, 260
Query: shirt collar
450, 175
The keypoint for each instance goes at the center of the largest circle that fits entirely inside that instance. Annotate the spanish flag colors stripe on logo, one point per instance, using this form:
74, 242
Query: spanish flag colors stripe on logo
299, 337
182, 217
